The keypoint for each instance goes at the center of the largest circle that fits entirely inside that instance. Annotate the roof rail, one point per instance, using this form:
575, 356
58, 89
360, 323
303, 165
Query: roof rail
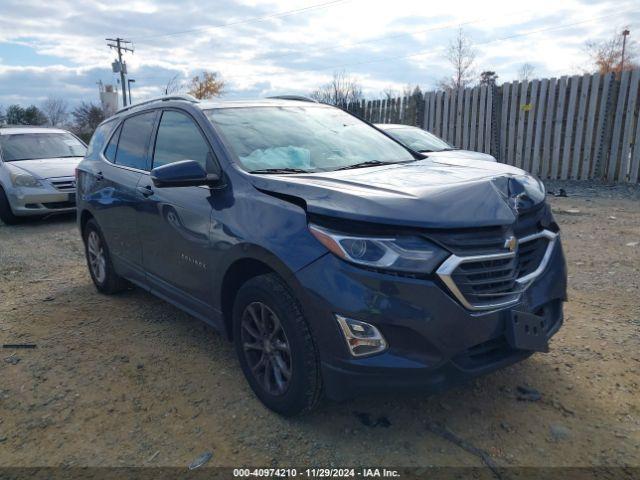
300, 98
187, 98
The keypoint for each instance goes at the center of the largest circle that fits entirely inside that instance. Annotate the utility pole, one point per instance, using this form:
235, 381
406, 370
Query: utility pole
625, 33
120, 44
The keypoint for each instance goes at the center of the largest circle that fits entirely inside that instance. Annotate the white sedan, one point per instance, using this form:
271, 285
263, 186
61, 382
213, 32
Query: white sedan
37, 171
424, 142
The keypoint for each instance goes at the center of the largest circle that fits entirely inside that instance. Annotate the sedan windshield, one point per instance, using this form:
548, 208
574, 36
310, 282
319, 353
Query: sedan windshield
419, 140
303, 139
31, 146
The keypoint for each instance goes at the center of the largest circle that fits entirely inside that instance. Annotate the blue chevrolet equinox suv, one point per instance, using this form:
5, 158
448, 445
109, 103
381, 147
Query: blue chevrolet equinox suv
338, 261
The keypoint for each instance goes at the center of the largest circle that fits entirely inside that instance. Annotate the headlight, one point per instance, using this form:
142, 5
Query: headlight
401, 253
25, 180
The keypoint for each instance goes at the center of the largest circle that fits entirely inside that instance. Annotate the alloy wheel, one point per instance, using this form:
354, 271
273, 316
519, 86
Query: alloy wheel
266, 348
97, 259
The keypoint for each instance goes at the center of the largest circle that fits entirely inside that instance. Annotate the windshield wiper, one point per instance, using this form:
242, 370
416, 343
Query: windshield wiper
279, 170
368, 163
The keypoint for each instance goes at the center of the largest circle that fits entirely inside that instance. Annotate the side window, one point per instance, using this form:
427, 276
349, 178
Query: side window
99, 137
134, 139
179, 138
112, 147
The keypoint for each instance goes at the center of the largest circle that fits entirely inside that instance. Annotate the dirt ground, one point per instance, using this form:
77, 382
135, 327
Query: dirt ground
129, 380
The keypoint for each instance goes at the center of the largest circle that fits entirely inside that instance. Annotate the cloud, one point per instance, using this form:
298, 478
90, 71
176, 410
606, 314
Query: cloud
58, 47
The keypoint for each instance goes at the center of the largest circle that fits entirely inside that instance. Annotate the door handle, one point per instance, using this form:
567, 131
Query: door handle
146, 191
99, 176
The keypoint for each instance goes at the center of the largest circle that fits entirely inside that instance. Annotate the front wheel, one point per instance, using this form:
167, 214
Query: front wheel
99, 262
6, 214
275, 347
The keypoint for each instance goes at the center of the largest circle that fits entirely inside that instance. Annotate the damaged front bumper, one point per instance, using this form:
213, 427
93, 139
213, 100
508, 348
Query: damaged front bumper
434, 341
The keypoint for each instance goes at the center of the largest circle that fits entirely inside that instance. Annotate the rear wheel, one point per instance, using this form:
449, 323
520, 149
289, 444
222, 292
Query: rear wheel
274, 344
6, 214
101, 269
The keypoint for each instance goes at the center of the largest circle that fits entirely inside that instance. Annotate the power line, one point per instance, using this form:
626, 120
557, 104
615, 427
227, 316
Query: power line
307, 51
285, 13
371, 39
362, 42
509, 37
415, 54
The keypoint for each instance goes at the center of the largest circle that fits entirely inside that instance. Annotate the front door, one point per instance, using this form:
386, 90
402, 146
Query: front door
175, 221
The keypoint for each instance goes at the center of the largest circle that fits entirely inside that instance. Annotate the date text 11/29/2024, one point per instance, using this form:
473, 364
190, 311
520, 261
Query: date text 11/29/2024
316, 473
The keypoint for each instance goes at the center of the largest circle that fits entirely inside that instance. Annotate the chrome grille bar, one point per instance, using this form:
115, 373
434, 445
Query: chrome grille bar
64, 184
449, 269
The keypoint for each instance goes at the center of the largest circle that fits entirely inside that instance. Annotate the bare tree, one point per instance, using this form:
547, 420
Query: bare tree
174, 85
407, 91
606, 55
389, 93
87, 117
207, 86
461, 55
56, 109
412, 91
526, 72
341, 90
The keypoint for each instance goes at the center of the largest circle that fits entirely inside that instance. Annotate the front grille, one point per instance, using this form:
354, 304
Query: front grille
486, 240
530, 255
64, 184
472, 241
486, 281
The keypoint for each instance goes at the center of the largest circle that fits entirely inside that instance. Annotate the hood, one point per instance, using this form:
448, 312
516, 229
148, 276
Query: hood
466, 154
429, 193
48, 167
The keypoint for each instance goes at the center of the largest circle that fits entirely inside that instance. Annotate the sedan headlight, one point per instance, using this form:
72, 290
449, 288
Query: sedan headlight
405, 253
25, 180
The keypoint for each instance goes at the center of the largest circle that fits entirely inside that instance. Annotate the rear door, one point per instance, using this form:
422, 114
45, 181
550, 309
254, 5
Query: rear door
117, 201
175, 222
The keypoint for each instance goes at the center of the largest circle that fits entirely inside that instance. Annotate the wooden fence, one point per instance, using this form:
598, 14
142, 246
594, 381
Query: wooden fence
579, 127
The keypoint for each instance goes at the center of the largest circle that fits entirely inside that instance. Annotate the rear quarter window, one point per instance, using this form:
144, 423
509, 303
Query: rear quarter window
112, 146
98, 138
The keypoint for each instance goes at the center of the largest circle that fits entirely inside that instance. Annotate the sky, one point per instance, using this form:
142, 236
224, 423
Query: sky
58, 49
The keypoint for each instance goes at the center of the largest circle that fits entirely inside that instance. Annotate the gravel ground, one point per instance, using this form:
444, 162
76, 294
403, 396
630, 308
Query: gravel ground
129, 380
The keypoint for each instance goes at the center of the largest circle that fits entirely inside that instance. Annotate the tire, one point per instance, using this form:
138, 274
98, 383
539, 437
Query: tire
6, 214
269, 295
99, 262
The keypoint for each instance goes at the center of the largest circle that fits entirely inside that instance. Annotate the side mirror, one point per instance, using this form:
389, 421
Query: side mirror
186, 173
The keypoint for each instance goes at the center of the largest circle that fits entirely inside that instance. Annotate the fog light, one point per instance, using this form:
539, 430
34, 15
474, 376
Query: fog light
362, 338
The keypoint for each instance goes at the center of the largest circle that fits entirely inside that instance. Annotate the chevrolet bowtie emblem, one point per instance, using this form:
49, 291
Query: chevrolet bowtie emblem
511, 243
